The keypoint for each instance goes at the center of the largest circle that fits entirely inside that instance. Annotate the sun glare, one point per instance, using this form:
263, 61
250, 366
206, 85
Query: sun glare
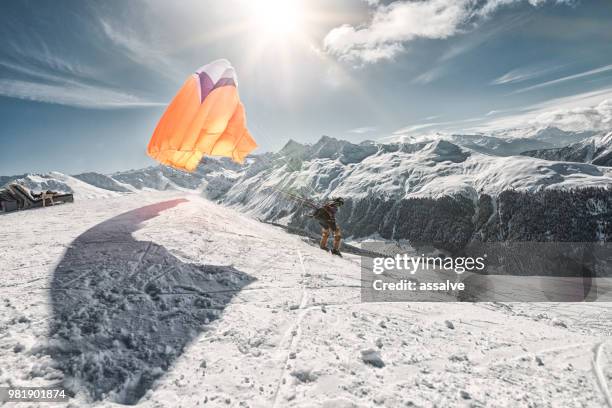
277, 17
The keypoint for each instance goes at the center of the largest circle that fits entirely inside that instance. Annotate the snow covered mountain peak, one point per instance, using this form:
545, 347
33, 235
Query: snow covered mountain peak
607, 139
329, 148
449, 165
293, 149
443, 150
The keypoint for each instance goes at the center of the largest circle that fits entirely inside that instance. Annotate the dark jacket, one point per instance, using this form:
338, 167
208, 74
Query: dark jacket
326, 215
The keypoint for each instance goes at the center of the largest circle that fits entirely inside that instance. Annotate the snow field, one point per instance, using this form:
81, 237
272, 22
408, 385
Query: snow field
296, 334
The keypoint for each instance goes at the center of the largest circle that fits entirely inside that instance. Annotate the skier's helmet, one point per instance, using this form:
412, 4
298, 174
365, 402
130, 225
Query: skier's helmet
339, 201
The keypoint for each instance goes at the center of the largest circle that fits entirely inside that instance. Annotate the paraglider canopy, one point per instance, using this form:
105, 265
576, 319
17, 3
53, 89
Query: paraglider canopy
205, 117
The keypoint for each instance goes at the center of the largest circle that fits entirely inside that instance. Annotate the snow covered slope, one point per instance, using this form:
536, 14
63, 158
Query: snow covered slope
161, 299
105, 182
164, 178
158, 178
457, 194
398, 171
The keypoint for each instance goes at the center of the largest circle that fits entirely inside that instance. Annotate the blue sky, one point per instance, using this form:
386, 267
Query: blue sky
83, 83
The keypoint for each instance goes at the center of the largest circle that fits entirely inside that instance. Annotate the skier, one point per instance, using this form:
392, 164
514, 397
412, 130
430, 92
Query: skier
326, 215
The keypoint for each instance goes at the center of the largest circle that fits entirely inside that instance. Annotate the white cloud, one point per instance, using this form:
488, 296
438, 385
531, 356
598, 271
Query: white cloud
598, 117
524, 74
363, 130
392, 25
595, 71
395, 24
588, 111
580, 112
72, 94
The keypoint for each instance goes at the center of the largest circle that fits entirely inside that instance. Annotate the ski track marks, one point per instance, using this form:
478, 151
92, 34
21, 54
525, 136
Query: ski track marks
294, 334
292, 337
599, 375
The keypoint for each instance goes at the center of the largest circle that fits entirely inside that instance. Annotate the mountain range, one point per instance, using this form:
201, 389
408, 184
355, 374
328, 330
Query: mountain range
453, 189
596, 150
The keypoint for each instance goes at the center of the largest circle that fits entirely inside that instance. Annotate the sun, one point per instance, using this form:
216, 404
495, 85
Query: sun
277, 17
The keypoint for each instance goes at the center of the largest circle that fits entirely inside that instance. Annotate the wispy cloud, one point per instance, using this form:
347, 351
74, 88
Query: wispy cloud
430, 75
39, 70
418, 128
443, 66
472, 42
399, 22
35, 58
415, 128
57, 82
595, 71
142, 52
72, 94
363, 130
525, 74
497, 112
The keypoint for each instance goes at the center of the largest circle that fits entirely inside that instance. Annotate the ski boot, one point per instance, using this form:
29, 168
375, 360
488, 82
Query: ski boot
324, 248
336, 252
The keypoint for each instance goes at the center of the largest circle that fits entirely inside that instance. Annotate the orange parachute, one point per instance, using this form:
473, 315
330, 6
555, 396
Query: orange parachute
205, 117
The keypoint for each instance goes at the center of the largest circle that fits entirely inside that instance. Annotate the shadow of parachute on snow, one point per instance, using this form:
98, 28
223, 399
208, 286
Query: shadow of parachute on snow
124, 310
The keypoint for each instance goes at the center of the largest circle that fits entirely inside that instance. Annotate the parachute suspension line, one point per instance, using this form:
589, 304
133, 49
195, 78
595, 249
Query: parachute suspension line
236, 143
295, 197
298, 198
283, 159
